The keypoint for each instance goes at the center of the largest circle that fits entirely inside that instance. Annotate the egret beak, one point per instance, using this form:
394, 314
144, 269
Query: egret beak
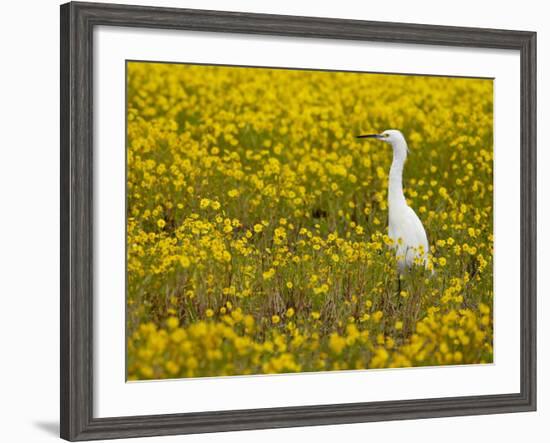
377, 136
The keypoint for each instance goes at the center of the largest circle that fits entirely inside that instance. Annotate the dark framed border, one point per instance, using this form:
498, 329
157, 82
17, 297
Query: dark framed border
77, 24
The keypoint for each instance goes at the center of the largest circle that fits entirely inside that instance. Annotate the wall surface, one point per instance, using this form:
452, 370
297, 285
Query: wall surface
29, 184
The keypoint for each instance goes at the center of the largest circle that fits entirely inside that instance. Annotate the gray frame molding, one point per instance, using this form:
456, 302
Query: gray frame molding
77, 24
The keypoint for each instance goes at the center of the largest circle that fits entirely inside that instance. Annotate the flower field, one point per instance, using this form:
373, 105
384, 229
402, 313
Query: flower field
257, 222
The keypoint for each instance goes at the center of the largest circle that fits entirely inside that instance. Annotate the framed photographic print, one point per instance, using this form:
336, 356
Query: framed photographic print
273, 221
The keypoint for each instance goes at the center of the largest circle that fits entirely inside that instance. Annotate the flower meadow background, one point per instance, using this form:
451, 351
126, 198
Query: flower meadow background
256, 232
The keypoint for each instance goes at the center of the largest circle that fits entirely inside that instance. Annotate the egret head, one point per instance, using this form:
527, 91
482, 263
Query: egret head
394, 138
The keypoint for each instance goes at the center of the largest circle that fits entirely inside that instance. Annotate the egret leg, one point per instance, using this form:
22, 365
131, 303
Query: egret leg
398, 284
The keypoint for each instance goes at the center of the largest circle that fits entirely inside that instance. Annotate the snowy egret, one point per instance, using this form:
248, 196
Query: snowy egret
405, 228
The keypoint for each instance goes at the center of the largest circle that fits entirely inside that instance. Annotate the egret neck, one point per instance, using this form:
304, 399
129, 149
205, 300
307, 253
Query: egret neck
395, 188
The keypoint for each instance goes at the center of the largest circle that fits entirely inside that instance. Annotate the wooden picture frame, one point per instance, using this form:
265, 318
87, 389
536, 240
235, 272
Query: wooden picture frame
77, 23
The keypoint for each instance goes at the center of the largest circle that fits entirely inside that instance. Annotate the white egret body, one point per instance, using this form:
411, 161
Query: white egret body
405, 228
